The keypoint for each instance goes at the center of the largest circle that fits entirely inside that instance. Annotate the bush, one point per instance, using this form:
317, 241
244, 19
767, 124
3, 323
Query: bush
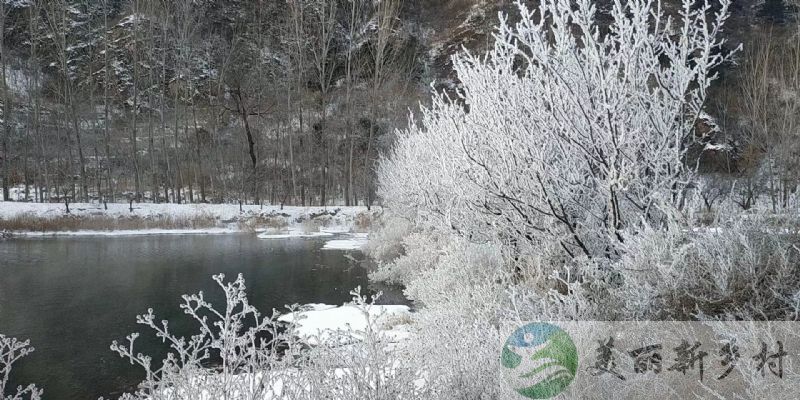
311, 226
363, 222
263, 222
386, 238
543, 148
736, 269
261, 358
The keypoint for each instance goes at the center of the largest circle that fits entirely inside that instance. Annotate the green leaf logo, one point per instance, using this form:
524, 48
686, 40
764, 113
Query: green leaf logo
540, 360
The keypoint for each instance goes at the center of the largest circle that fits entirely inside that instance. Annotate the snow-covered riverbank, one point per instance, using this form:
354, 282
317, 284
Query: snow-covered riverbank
118, 219
125, 232
221, 211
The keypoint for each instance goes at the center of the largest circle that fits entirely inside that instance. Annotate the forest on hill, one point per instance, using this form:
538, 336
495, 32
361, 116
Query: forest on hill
202, 101
291, 102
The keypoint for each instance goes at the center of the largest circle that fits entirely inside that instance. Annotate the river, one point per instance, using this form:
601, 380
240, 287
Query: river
73, 296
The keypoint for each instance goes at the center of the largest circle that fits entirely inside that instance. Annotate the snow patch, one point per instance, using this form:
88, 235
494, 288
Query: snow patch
292, 233
717, 147
319, 321
356, 242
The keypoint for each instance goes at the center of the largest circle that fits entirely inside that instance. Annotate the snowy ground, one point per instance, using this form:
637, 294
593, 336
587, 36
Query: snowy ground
221, 211
340, 237
320, 321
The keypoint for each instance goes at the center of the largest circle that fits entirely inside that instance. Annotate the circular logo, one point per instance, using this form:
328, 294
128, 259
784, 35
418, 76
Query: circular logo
540, 360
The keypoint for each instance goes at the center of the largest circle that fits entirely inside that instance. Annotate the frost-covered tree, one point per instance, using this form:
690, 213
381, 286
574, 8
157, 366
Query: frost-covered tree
257, 356
568, 135
243, 340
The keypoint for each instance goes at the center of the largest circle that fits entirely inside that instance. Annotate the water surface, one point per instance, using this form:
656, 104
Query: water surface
73, 296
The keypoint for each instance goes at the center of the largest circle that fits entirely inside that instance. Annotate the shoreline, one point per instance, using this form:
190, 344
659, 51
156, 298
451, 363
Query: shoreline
124, 233
117, 219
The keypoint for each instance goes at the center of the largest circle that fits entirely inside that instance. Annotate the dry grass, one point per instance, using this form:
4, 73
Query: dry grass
396, 320
363, 222
311, 226
31, 222
263, 223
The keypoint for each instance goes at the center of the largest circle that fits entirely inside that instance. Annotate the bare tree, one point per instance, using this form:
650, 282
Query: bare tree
35, 96
58, 23
353, 39
136, 16
6, 103
386, 15
324, 26
298, 50
769, 83
185, 24
107, 120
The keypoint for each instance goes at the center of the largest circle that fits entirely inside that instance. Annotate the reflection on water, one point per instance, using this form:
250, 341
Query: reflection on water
72, 297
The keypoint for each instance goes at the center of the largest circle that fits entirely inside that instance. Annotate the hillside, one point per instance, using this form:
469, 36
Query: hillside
204, 101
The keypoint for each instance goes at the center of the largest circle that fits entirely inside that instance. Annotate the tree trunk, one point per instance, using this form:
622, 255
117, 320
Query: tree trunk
151, 151
106, 107
135, 111
251, 145
200, 163
6, 105
178, 183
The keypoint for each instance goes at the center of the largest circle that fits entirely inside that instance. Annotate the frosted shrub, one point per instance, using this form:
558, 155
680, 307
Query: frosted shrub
460, 353
461, 292
466, 278
420, 252
423, 177
236, 335
742, 268
372, 367
11, 351
260, 358
386, 240
553, 186
565, 135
